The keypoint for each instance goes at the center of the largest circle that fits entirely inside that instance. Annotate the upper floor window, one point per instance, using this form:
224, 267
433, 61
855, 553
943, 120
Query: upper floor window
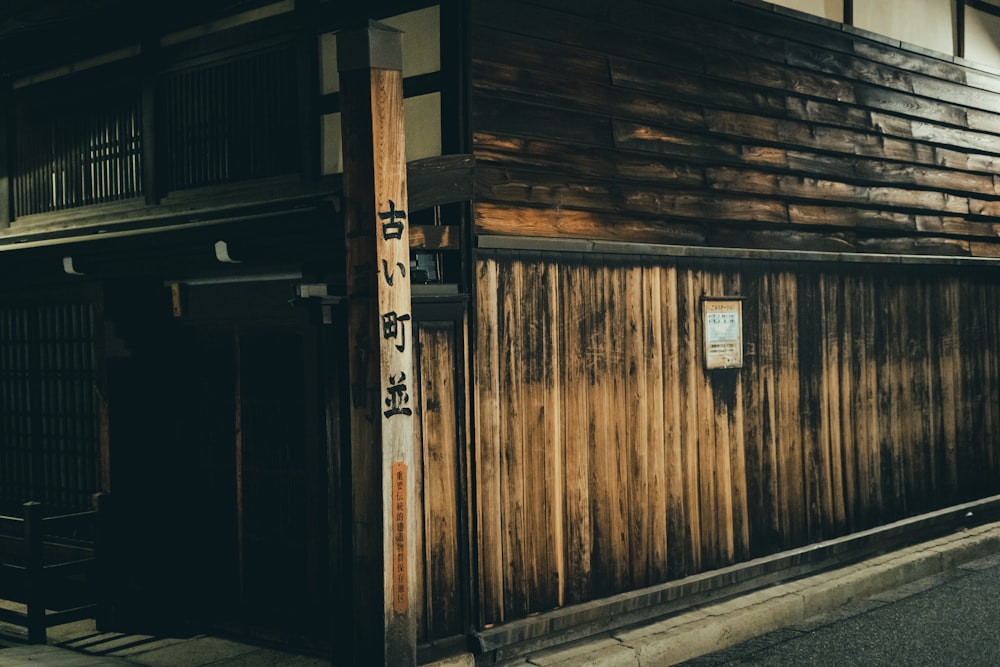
231, 121
967, 28
79, 142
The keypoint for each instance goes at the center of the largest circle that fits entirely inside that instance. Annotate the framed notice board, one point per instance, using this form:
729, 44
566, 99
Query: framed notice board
722, 319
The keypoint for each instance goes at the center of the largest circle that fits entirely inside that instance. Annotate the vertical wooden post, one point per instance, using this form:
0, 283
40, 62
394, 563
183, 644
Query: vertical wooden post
152, 177
105, 553
6, 155
380, 340
35, 572
960, 28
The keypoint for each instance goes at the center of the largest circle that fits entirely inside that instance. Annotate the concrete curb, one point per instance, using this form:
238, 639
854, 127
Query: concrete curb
718, 626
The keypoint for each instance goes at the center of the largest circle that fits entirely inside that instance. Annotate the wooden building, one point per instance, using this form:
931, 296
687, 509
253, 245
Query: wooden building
590, 184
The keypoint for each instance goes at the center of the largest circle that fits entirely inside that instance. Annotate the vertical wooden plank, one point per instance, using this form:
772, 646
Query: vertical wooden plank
965, 449
719, 396
814, 452
945, 332
766, 511
771, 457
846, 334
538, 413
575, 335
660, 492
925, 428
637, 437
912, 412
689, 370
530, 340
603, 467
439, 436
487, 444
887, 350
830, 382
679, 539
512, 508
614, 324
791, 461
982, 395
988, 384
423, 439
868, 384
711, 477
554, 433
993, 369
737, 444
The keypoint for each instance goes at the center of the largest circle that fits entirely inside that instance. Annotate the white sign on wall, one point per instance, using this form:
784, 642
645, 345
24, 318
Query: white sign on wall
723, 327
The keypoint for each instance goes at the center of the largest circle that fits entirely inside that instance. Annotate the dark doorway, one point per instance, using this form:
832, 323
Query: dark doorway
231, 476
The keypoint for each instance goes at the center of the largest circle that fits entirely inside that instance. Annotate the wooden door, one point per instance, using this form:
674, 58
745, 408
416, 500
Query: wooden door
258, 528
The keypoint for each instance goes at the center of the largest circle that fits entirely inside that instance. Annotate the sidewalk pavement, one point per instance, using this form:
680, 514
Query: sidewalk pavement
82, 645
676, 639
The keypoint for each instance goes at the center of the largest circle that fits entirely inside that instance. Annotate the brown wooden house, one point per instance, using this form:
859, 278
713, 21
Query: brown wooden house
590, 185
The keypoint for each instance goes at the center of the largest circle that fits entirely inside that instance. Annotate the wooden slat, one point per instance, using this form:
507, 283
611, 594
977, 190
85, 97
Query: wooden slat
689, 375
539, 445
676, 429
511, 434
438, 437
791, 457
662, 486
489, 451
637, 442
609, 281
575, 377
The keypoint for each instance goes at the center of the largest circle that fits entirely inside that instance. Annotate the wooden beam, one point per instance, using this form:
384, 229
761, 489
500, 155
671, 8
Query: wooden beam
380, 340
982, 6
435, 237
436, 181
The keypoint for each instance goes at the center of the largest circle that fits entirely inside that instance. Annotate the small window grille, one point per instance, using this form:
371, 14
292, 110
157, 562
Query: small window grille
231, 121
48, 406
77, 146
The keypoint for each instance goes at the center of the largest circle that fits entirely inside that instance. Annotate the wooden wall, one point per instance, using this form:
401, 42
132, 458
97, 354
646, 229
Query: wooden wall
440, 439
724, 124
608, 459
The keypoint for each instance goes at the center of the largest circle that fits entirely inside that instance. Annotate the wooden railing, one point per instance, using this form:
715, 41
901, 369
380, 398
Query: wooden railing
52, 577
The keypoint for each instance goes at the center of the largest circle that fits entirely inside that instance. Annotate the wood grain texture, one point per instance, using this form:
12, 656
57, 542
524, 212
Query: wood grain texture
702, 113
866, 396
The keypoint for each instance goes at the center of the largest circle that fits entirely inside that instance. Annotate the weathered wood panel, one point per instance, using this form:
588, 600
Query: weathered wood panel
437, 437
868, 394
714, 123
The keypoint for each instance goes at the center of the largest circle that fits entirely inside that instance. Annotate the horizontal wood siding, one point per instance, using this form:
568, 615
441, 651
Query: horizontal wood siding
608, 459
717, 123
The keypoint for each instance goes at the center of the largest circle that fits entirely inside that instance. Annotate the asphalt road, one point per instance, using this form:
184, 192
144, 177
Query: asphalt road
951, 619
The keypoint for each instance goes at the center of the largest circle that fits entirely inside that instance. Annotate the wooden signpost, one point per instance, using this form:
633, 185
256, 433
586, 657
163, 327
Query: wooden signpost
381, 346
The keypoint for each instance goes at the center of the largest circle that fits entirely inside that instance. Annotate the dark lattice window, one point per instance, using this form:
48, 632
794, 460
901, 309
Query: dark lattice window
48, 406
77, 144
231, 121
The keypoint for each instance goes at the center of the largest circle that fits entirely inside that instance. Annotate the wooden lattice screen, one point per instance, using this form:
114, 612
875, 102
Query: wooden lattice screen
231, 121
77, 147
48, 406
